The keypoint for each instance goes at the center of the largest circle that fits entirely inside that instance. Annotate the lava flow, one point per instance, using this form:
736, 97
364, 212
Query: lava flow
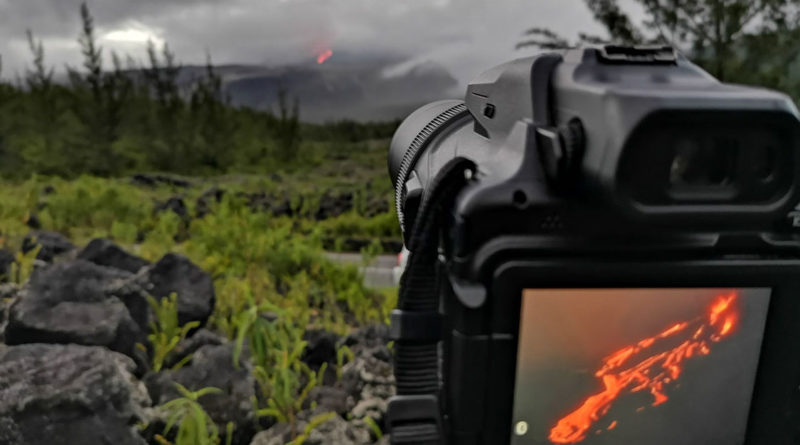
323, 56
652, 372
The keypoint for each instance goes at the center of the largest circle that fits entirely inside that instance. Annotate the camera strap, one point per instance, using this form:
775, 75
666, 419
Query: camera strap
414, 415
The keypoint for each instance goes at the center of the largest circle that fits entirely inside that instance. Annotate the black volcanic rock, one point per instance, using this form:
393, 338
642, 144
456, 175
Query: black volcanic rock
320, 348
52, 244
105, 253
83, 303
195, 290
69, 394
174, 204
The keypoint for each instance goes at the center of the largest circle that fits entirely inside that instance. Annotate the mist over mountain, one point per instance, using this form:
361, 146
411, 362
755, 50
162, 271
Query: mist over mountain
366, 89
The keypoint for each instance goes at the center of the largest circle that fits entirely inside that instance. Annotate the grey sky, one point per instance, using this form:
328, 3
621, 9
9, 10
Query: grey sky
466, 36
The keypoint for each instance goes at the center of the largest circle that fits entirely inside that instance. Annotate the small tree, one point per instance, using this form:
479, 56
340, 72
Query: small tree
718, 34
212, 121
166, 149
100, 99
40, 146
288, 126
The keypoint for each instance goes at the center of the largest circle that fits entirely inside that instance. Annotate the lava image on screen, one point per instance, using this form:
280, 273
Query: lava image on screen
637, 366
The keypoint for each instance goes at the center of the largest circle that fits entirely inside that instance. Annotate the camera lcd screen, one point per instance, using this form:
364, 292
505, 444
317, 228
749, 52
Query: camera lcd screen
637, 366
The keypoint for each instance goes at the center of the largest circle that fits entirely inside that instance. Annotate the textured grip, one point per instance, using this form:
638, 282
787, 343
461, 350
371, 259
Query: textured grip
416, 149
416, 368
417, 434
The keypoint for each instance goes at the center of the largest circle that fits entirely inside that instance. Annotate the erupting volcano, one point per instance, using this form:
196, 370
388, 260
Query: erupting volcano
647, 365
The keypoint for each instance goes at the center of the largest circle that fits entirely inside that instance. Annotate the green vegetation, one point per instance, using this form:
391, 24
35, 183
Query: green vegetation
374, 427
276, 348
194, 425
22, 267
165, 332
255, 258
113, 120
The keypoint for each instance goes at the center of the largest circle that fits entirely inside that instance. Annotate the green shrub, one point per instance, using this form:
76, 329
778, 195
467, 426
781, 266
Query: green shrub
165, 331
195, 427
22, 267
91, 207
276, 347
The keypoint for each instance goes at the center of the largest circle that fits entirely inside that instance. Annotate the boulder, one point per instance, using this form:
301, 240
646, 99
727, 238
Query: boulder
174, 204
69, 394
212, 366
6, 260
105, 253
52, 244
176, 274
80, 302
320, 348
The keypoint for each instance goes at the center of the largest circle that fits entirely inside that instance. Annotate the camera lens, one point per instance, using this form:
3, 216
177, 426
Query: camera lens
698, 164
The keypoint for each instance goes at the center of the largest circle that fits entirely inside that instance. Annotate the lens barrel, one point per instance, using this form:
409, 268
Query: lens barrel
411, 139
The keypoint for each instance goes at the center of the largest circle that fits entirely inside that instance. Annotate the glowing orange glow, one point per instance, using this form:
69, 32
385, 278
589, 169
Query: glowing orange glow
323, 56
651, 372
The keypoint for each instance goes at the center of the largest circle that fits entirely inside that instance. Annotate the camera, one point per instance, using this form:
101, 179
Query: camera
605, 249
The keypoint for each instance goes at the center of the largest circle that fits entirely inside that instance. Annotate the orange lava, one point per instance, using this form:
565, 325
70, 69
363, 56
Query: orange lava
652, 372
323, 56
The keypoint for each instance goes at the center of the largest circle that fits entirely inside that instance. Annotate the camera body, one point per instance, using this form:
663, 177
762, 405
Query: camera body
615, 192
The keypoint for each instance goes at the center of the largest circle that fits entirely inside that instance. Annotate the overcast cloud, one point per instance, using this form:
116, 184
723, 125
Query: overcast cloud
466, 36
